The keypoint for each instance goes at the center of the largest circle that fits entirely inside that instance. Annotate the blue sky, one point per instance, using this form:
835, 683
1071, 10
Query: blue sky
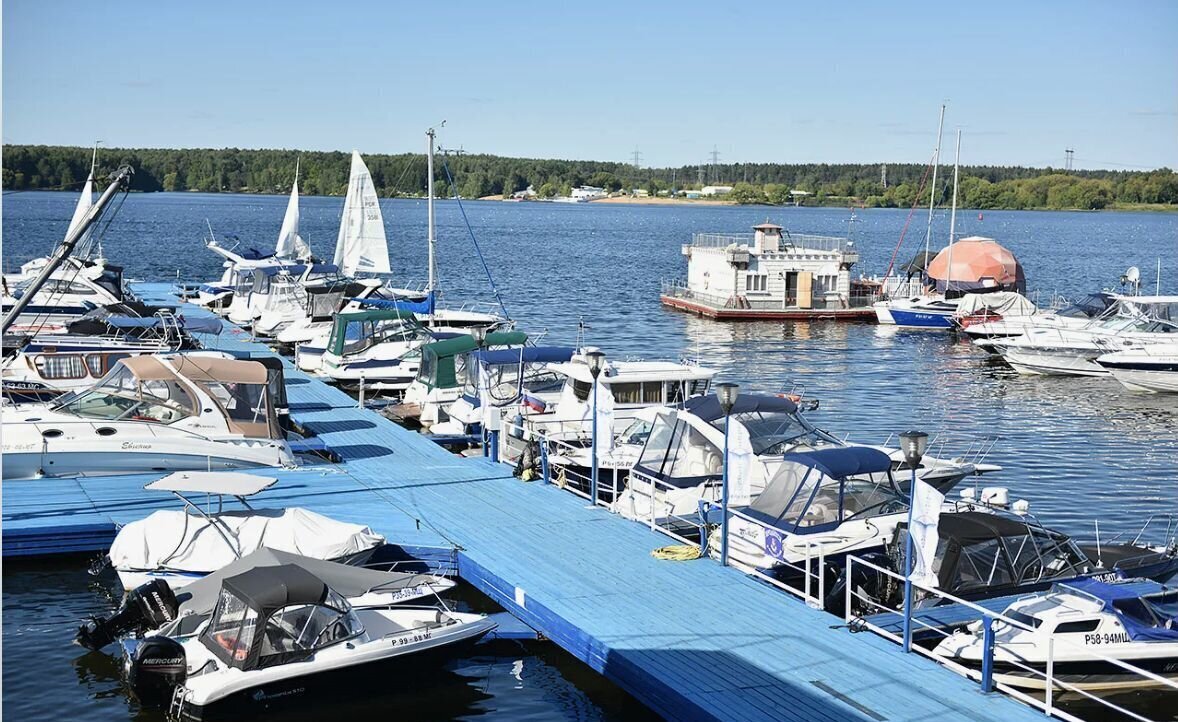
772, 81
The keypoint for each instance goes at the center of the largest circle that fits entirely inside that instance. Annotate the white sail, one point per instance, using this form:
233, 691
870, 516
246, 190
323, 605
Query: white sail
361, 246
84, 203
290, 243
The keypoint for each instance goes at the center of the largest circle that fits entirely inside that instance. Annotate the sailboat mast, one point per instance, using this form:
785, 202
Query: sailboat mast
433, 241
932, 196
953, 214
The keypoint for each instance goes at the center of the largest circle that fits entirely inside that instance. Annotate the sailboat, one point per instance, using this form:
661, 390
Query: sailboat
361, 246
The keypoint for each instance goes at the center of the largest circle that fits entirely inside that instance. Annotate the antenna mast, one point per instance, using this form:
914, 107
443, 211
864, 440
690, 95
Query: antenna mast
433, 241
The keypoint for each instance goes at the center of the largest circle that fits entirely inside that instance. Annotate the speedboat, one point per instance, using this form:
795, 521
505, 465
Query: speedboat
983, 552
1152, 368
378, 349
1073, 352
975, 309
191, 411
1075, 315
281, 635
1081, 630
181, 546
280, 289
680, 452
76, 287
155, 607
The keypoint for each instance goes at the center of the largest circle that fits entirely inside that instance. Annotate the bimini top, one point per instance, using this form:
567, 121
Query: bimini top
196, 325
978, 263
233, 483
526, 354
268, 588
426, 305
465, 343
253, 254
973, 527
807, 493
196, 368
1145, 617
708, 407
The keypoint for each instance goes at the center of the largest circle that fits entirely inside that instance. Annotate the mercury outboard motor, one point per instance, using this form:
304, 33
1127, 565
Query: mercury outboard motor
148, 606
156, 667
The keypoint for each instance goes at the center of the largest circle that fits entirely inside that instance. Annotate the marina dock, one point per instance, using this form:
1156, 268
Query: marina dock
691, 640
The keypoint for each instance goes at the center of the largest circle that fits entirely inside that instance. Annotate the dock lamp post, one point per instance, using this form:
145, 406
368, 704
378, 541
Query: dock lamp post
726, 394
913, 444
479, 334
596, 361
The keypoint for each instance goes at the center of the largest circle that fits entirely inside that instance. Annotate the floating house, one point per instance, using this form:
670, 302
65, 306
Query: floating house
770, 273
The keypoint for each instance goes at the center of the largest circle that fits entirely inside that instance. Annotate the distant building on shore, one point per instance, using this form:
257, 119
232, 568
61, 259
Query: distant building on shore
715, 190
587, 193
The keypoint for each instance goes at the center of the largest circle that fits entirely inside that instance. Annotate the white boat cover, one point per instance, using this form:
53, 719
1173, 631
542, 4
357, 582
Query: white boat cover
1005, 303
182, 541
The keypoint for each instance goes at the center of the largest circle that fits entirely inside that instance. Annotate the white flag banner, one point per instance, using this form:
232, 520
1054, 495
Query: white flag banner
740, 463
926, 513
605, 418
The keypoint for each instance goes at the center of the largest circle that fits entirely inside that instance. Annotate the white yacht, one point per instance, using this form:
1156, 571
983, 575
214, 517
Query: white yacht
76, 287
984, 332
1133, 323
1152, 368
194, 411
278, 635
680, 456
377, 348
1081, 628
280, 290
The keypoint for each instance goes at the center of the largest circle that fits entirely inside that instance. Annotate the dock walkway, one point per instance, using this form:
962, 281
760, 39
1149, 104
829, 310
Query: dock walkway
692, 640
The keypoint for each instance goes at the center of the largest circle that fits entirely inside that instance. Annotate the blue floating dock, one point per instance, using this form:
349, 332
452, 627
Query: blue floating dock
691, 640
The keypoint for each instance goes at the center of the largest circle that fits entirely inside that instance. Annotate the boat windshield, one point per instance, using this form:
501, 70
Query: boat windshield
1035, 556
679, 454
362, 335
801, 499
120, 395
298, 630
779, 432
503, 380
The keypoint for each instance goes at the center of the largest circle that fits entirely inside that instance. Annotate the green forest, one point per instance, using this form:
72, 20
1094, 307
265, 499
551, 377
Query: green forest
232, 170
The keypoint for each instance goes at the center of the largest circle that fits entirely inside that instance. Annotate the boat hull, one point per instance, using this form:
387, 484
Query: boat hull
35, 464
910, 318
1150, 378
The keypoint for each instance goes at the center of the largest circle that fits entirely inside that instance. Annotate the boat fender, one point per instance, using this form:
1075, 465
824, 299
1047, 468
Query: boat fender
157, 666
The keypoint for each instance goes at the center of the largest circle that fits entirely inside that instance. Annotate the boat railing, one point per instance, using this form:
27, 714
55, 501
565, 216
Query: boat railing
554, 444
947, 448
790, 242
858, 609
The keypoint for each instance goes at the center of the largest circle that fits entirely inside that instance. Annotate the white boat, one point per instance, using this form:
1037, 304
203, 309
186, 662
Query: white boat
1153, 368
443, 369
181, 546
192, 411
72, 290
280, 290
680, 456
1132, 324
377, 348
985, 332
1081, 626
281, 635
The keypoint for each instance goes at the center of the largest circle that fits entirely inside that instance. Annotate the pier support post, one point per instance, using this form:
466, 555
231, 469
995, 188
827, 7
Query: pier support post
726, 394
987, 654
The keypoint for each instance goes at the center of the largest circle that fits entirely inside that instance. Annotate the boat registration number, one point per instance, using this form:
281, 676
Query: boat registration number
412, 639
1106, 638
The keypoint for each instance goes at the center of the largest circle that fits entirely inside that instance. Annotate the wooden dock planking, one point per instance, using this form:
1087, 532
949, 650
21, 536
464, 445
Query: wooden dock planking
692, 640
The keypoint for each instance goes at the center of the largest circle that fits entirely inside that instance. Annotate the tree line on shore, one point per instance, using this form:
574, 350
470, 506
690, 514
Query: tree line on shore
232, 170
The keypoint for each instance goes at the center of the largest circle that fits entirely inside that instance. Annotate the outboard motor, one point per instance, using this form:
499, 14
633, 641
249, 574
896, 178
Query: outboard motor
148, 606
156, 667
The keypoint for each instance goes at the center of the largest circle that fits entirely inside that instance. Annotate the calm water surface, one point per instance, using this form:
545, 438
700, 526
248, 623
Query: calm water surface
1078, 449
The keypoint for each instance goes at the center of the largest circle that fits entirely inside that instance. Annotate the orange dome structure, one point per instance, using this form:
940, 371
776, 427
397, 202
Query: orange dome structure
979, 264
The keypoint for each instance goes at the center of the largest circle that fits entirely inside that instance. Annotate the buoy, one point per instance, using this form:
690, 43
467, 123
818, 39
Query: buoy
980, 217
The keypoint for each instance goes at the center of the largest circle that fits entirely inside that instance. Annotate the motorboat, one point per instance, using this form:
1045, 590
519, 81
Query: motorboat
1142, 321
155, 607
1093, 636
444, 367
313, 326
279, 289
76, 287
984, 331
975, 309
378, 349
983, 552
820, 504
181, 546
494, 381
189, 411
48, 365
679, 455
218, 295
281, 635
1152, 368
